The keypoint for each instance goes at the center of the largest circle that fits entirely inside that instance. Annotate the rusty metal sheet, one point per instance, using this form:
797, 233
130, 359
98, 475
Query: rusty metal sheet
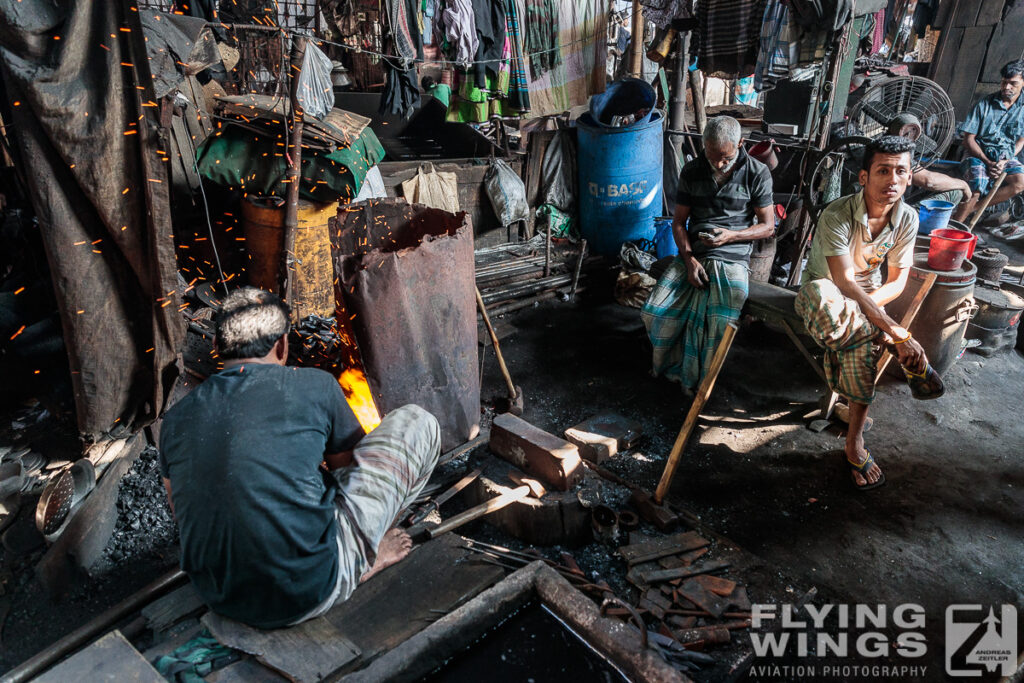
405, 277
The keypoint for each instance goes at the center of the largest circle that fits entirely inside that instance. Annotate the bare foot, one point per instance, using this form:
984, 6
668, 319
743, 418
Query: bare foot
395, 545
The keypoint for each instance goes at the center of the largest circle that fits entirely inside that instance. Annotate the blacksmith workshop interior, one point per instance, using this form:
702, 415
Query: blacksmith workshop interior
511, 340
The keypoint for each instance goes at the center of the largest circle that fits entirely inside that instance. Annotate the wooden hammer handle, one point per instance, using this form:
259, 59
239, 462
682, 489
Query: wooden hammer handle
494, 504
986, 201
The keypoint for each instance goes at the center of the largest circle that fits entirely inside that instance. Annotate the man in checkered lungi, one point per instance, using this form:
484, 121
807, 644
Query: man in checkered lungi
842, 297
727, 198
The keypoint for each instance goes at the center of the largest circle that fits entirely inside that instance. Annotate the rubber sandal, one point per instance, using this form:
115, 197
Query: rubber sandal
863, 470
926, 385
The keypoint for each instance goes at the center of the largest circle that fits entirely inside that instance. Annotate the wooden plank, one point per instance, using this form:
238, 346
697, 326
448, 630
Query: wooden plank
173, 607
966, 14
247, 670
311, 651
111, 658
1007, 43
968, 67
990, 14
949, 47
405, 598
662, 547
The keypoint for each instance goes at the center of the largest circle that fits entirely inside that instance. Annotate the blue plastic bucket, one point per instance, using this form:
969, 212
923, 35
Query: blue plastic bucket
933, 214
664, 241
622, 98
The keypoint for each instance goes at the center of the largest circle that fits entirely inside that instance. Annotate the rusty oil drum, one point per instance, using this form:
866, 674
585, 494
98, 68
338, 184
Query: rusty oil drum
940, 324
263, 225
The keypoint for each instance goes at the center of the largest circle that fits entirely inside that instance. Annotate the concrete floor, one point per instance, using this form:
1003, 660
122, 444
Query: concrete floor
947, 528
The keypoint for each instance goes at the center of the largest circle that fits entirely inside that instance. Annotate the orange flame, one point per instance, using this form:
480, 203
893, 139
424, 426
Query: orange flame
360, 400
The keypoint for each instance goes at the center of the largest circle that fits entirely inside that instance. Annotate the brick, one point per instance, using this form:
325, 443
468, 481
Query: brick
544, 456
602, 436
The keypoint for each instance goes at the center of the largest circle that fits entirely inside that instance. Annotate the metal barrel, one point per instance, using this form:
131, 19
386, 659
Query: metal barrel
940, 324
620, 173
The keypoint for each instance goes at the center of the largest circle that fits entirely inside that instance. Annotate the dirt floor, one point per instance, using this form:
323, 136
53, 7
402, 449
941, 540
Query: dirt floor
947, 528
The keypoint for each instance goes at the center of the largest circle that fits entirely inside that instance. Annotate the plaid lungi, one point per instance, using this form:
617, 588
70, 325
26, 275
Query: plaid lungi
685, 324
390, 467
838, 325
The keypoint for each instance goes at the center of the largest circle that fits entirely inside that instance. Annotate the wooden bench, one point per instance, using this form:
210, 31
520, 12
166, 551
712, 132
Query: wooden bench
772, 304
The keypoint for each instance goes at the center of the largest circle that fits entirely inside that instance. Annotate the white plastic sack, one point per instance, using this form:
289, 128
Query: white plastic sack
315, 91
433, 189
507, 193
373, 186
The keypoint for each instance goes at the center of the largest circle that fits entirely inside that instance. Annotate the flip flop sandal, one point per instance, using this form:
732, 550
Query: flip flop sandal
863, 470
926, 385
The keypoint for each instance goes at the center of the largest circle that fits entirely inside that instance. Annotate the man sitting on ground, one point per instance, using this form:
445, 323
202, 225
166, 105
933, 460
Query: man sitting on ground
727, 197
842, 297
993, 137
269, 536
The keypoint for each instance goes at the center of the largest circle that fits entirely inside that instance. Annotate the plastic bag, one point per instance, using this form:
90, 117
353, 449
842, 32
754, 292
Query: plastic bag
507, 193
315, 91
433, 189
558, 172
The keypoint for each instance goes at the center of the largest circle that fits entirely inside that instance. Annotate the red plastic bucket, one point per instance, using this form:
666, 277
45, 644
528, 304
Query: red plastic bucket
948, 248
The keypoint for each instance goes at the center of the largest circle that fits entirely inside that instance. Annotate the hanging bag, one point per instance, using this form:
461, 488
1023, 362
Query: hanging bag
433, 189
507, 193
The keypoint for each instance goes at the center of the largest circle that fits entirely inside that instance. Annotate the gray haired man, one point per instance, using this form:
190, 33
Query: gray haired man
724, 203
284, 505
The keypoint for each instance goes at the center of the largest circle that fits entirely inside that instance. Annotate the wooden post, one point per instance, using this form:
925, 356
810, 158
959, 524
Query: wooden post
636, 42
294, 175
700, 116
703, 393
677, 117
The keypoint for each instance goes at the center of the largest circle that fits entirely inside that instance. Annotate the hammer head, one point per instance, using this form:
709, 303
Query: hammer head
514, 404
658, 515
537, 489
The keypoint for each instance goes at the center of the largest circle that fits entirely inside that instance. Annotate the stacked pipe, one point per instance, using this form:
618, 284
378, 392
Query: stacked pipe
520, 281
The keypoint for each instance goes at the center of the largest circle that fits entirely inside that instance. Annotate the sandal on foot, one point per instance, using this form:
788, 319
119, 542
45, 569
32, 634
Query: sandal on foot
863, 470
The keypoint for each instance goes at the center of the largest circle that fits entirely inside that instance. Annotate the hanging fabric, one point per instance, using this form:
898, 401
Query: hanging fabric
542, 29
460, 30
777, 53
729, 32
519, 87
472, 104
491, 32
401, 93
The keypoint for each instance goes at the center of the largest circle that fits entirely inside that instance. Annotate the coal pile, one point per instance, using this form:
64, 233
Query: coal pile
145, 525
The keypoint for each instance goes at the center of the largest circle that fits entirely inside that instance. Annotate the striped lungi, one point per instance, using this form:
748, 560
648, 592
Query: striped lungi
390, 467
685, 324
838, 325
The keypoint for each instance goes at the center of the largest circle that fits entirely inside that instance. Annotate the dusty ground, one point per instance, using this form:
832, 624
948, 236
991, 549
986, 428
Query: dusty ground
947, 528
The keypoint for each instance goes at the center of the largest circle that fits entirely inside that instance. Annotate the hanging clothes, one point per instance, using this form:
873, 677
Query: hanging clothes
729, 33
662, 13
519, 86
878, 32
542, 29
460, 30
777, 53
472, 104
401, 93
491, 32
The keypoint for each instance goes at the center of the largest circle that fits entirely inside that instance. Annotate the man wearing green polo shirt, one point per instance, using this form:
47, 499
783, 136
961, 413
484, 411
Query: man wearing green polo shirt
843, 294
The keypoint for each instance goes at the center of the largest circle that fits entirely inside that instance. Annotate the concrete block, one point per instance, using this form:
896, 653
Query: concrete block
602, 436
542, 455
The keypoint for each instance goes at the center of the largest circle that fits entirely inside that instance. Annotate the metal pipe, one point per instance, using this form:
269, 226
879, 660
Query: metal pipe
80, 636
294, 174
525, 303
579, 267
513, 291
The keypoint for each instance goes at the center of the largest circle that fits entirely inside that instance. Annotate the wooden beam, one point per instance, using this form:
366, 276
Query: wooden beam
703, 393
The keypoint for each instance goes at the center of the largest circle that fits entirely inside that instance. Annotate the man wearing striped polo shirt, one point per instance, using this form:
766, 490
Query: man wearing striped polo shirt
724, 203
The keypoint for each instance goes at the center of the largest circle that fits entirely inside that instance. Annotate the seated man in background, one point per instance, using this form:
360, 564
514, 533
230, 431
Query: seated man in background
269, 535
727, 197
842, 296
993, 137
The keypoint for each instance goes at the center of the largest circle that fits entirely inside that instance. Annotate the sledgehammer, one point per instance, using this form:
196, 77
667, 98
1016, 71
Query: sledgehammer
420, 532
515, 394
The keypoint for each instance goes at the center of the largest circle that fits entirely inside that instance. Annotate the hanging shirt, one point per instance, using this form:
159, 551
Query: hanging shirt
460, 30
